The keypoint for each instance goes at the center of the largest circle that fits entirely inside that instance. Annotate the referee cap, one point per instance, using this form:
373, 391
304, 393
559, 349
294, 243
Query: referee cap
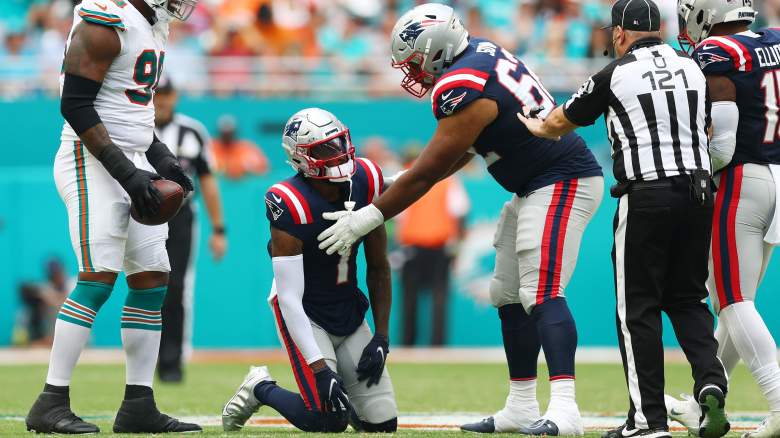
637, 15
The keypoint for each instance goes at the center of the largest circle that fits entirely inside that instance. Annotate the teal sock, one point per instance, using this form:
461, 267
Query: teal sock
72, 329
141, 325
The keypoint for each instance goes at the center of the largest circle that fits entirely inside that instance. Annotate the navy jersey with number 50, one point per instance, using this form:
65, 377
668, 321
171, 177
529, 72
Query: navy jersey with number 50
331, 296
752, 61
517, 160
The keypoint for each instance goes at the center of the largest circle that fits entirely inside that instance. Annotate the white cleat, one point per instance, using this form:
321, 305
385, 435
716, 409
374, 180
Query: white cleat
244, 403
769, 428
685, 411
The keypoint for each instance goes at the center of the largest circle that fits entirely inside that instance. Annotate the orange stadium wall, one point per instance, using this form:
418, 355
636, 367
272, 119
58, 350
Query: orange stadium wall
230, 307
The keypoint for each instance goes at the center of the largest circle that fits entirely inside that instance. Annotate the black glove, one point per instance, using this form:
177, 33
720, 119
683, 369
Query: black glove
333, 396
372, 361
136, 182
167, 165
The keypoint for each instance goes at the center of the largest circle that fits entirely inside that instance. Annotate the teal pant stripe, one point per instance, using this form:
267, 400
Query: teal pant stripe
146, 299
91, 294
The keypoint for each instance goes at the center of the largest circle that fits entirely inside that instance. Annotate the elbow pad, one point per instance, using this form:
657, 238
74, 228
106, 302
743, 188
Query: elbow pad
288, 275
725, 121
78, 102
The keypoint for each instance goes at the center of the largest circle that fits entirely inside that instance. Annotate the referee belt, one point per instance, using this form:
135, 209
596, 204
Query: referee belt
677, 181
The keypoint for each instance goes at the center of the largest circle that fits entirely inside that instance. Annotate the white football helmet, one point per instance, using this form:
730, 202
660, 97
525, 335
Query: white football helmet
697, 17
424, 42
318, 145
179, 9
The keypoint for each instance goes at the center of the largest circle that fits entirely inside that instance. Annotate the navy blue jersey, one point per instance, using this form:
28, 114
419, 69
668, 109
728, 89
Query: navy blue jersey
517, 160
331, 296
752, 61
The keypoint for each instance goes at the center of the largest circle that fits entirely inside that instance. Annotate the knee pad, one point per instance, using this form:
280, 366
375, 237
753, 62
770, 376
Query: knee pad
388, 426
142, 309
83, 304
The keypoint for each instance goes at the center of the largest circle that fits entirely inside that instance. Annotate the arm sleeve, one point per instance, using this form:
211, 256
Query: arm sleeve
725, 120
288, 275
592, 99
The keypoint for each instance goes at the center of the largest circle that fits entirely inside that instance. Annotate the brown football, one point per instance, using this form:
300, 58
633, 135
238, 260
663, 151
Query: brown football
172, 197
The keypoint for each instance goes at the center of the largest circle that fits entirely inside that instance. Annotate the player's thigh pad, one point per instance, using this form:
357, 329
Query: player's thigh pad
550, 224
505, 283
375, 404
744, 207
145, 249
98, 209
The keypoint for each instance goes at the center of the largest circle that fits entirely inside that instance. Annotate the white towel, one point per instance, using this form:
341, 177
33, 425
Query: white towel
772, 236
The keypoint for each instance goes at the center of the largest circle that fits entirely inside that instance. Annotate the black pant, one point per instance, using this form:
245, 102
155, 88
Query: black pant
425, 267
662, 241
179, 245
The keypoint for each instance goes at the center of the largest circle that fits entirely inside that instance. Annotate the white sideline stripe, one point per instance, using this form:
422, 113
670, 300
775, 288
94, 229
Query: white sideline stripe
640, 420
458, 77
374, 175
726, 41
296, 202
449, 421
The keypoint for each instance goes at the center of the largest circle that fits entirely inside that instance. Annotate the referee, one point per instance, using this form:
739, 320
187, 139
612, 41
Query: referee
189, 141
655, 104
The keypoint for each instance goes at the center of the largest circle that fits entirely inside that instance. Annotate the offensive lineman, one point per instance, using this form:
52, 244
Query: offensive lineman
319, 309
743, 75
477, 87
107, 158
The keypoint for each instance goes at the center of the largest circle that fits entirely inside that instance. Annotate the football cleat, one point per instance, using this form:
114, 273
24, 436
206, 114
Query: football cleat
685, 411
140, 415
542, 427
769, 428
51, 414
487, 425
244, 403
714, 423
625, 432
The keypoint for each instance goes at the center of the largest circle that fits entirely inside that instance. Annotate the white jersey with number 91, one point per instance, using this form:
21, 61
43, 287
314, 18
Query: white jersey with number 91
124, 102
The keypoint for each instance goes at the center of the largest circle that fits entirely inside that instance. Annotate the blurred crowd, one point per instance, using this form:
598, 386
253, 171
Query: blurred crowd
272, 45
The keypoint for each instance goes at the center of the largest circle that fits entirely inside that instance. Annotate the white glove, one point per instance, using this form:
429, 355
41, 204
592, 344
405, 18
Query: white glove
349, 227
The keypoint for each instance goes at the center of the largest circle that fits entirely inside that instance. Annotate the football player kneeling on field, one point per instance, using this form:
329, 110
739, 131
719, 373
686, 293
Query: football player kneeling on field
318, 307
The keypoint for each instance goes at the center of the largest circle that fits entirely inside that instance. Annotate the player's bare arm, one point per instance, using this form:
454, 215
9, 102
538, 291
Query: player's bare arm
725, 120
378, 279
447, 150
553, 127
372, 360
217, 241
90, 54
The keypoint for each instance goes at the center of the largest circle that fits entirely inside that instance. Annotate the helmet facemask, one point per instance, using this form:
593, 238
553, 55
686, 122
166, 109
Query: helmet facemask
416, 81
179, 9
332, 158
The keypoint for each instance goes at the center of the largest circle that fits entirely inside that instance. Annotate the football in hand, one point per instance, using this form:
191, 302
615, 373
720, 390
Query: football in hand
171, 199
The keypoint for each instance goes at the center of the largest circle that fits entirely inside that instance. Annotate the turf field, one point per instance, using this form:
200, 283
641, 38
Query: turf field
441, 393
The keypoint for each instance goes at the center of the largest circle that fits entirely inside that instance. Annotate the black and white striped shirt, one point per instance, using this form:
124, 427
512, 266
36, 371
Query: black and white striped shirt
656, 109
189, 140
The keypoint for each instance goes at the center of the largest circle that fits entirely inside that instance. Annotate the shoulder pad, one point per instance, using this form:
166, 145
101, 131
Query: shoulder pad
722, 55
374, 178
285, 206
106, 12
457, 88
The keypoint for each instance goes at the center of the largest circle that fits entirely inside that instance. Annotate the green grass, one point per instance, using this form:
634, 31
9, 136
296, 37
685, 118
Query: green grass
97, 391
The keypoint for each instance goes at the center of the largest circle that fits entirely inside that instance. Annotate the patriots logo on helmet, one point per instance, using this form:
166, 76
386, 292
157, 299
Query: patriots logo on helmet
291, 130
410, 34
448, 106
706, 59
